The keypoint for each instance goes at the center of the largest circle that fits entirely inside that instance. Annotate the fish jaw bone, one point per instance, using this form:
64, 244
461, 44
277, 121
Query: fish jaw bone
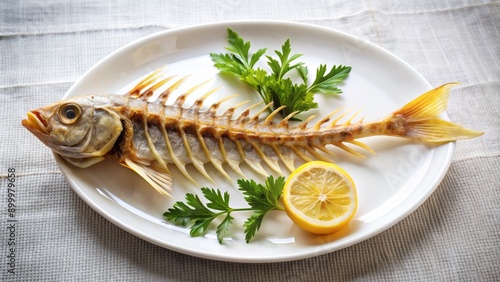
35, 123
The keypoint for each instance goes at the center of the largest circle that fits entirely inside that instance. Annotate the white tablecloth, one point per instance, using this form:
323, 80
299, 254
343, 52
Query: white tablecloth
45, 46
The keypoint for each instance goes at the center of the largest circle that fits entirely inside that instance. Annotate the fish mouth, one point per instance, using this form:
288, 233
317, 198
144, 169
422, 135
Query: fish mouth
35, 122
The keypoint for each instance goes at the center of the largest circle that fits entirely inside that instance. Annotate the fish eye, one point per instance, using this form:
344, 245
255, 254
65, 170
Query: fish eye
69, 113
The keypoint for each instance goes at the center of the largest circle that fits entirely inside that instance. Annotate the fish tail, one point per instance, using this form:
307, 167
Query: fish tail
420, 118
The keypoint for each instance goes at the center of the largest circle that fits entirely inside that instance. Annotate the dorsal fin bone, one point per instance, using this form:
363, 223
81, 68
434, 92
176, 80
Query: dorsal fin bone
284, 122
303, 125
337, 119
150, 91
136, 90
182, 98
229, 112
215, 106
349, 120
243, 118
254, 119
199, 102
165, 94
325, 119
269, 118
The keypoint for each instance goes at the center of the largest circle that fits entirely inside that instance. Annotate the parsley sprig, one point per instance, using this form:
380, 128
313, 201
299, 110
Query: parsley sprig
276, 87
260, 198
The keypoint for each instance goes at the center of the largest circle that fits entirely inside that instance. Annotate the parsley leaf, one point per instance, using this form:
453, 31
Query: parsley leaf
275, 87
283, 66
217, 201
192, 210
326, 83
236, 63
260, 198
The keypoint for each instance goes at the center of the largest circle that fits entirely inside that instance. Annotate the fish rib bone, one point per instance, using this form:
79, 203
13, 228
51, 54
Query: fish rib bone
248, 134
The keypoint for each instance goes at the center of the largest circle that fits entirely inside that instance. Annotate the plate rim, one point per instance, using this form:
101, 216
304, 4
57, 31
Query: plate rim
242, 259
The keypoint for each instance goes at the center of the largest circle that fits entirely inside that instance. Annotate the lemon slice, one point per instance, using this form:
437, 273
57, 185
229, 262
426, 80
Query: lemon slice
320, 197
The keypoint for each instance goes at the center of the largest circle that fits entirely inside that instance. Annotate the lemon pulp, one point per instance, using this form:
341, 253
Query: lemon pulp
320, 197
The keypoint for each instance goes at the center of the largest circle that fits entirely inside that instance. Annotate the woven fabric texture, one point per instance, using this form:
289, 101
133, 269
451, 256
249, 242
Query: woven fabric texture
45, 46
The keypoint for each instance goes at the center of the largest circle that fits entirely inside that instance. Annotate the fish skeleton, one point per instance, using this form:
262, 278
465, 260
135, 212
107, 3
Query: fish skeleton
146, 136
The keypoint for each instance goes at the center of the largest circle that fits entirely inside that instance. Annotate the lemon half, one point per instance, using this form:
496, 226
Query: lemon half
320, 197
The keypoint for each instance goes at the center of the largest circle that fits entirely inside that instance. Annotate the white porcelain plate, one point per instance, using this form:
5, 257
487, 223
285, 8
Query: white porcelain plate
390, 184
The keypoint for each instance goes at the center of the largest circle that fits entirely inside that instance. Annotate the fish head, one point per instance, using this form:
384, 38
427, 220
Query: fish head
80, 130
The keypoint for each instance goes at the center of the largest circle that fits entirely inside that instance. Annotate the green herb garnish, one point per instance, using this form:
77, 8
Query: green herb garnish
260, 198
275, 87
